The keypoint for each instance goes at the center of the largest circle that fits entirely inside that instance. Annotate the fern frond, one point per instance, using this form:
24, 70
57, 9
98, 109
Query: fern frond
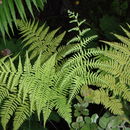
119, 46
126, 31
4, 93
123, 39
116, 64
8, 73
39, 40
80, 37
114, 105
22, 113
8, 11
8, 108
61, 105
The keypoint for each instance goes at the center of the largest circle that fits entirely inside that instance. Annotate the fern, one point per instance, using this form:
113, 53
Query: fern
113, 68
39, 39
37, 83
22, 113
34, 85
53, 80
8, 108
8, 10
80, 37
102, 96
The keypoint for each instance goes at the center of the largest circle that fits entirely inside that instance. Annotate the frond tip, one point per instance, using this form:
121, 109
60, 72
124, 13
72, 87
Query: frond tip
8, 10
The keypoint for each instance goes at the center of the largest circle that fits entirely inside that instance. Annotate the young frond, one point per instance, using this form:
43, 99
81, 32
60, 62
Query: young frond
63, 109
80, 38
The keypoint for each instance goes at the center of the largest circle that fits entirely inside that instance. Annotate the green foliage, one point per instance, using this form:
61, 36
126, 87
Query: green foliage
39, 39
40, 87
86, 121
80, 33
109, 24
34, 84
107, 122
113, 70
57, 73
8, 10
83, 120
119, 7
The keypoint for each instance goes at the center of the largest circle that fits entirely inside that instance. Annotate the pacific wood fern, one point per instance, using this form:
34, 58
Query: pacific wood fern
113, 68
8, 10
40, 87
107, 71
80, 33
30, 89
38, 39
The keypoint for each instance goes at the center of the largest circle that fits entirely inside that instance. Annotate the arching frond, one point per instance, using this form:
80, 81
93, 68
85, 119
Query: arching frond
8, 10
22, 113
80, 38
8, 108
39, 39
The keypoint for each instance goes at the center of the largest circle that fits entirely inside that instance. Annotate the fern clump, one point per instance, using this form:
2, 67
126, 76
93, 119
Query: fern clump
32, 90
50, 83
58, 73
113, 69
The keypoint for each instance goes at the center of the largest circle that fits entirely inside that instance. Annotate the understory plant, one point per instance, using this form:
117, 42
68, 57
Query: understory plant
41, 83
49, 76
85, 120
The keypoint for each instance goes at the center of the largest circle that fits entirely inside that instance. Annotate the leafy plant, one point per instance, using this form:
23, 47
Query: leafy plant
8, 10
39, 87
39, 39
36, 97
86, 121
96, 72
109, 24
113, 67
57, 73
119, 7
82, 115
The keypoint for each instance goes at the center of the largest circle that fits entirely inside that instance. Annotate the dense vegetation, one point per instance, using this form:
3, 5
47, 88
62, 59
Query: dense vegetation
64, 65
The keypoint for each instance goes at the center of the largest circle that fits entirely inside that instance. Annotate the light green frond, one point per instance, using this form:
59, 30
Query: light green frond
4, 93
119, 46
77, 83
63, 109
123, 39
9, 74
126, 32
22, 113
122, 91
66, 50
47, 109
39, 39
114, 105
8, 108
108, 54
